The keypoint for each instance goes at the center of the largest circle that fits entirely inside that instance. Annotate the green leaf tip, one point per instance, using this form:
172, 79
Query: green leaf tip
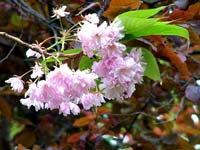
152, 70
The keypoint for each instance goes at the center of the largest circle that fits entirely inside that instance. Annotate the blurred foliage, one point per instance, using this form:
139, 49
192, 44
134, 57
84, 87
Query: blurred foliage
158, 116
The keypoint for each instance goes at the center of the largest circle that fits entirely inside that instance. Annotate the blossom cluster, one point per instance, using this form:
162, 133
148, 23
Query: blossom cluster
103, 38
63, 89
118, 69
66, 90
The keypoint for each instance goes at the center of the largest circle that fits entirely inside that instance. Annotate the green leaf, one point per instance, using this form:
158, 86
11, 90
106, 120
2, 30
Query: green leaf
151, 70
72, 51
68, 51
85, 63
53, 59
15, 128
163, 29
141, 13
137, 24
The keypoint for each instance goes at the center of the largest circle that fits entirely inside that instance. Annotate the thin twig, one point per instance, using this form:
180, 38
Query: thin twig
11, 50
131, 115
4, 34
88, 7
38, 48
104, 5
31, 46
194, 59
136, 116
176, 114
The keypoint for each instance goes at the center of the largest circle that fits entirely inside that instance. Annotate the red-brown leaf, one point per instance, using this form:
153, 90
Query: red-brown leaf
103, 110
118, 6
21, 147
75, 137
26, 137
83, 121
5, 109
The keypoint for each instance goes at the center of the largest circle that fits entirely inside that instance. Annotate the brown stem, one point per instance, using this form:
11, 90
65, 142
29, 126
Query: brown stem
38, 48
31, 46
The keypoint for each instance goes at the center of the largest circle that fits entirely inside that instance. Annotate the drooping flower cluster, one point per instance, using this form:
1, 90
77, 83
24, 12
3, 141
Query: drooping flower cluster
17, 83
120, 74
64, 89
118, 69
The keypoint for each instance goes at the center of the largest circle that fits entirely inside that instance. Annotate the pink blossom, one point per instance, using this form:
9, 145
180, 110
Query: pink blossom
37, 72
91, 99
85, 34
87, 101
61, 90
113, 32
32, 102
17, 83
97, 37
32, 91
30, 53
136, 55
44, 90
50, 95
84, 80
98, 99
90, 35
112, 91
33, 94
104, 66
114, 49
60, 12
64, 108
117, 29
59, 75
127, 70
120, 74
71, 83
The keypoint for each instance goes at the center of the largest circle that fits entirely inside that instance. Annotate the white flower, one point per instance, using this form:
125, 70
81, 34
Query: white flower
91, 99
30, 53
17, 83
92, 18
60, 12
74, 108
37, 72
32, 102
111, 91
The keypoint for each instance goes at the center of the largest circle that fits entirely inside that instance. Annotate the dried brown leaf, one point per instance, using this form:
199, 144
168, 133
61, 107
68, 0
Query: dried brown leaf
83, 121
118, 6
5, 109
